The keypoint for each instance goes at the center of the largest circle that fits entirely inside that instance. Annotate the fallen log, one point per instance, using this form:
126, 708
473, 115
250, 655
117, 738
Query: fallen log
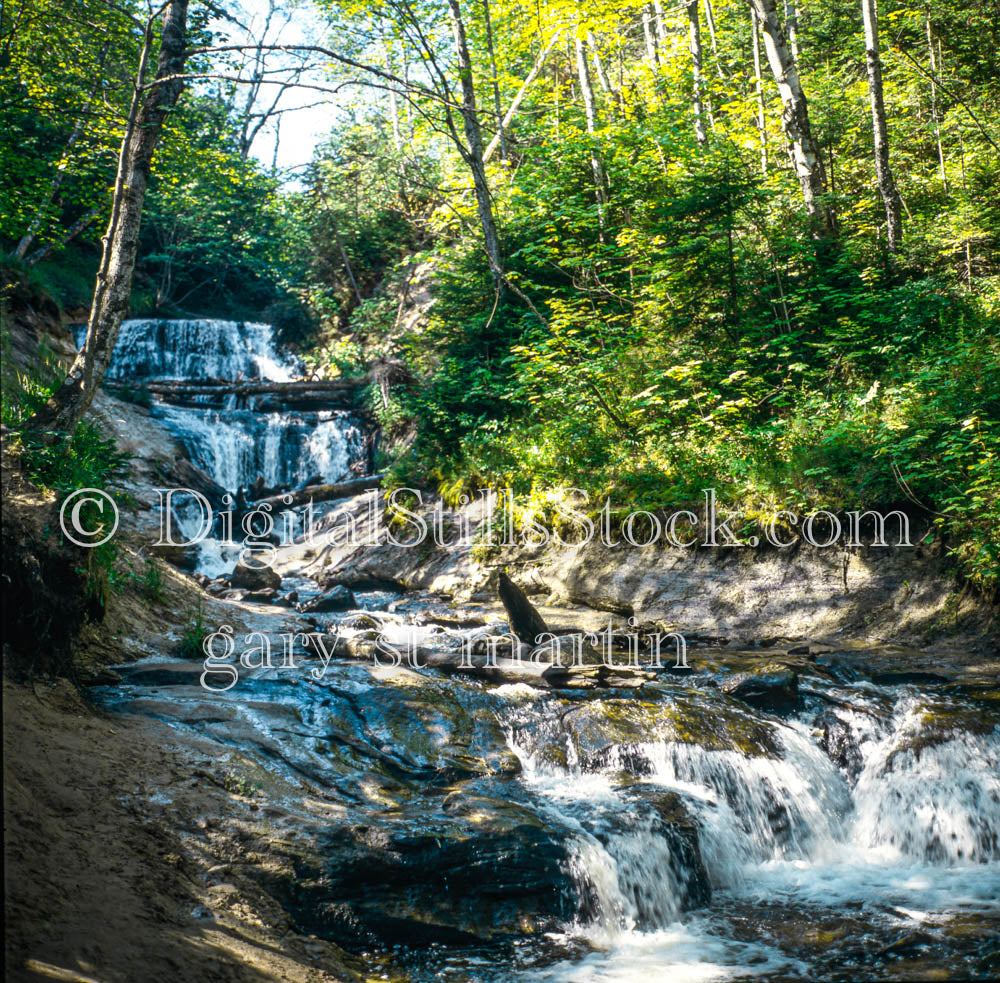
254, 388
322, 493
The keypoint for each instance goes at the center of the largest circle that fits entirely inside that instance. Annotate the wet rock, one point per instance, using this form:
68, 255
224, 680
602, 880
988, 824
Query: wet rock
677, 824
480, 867
182, 557
254, 578
771, 687
337, 598
840, 743
612, 732
217, 586
265, 595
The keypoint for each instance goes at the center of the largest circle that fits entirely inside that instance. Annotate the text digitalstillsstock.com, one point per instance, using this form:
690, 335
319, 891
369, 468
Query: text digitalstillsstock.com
391, 519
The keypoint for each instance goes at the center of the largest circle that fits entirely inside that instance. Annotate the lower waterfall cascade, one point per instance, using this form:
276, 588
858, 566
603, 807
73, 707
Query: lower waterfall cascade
675, 833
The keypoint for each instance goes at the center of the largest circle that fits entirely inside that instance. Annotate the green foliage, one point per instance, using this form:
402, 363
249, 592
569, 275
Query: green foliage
87, 460
193, 635
238, 784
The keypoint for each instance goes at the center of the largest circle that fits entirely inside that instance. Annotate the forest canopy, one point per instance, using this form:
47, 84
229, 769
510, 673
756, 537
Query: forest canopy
726, 243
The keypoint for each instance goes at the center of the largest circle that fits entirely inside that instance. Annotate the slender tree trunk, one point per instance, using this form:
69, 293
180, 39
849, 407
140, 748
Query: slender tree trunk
883, 172
602, 75
474, 138
710, 23
934, 106
397, 133
587, 91
57, 179
804, 152
71, 233
647, 30
521, 93
121, 242
759, 87
792, 23
20, 251
495, 81
694, 42
661, 33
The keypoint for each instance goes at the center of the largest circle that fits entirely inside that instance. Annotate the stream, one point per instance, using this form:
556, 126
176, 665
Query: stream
460, 829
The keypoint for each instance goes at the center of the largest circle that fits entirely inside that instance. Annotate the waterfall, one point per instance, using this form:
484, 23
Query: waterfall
196, 350
920, 819
236, 444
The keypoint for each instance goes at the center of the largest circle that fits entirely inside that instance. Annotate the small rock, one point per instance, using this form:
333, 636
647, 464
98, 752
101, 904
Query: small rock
264, 595
337, 598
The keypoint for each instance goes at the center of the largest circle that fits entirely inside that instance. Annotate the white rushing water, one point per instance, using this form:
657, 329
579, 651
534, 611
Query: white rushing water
239, 443
198, 349
916, 834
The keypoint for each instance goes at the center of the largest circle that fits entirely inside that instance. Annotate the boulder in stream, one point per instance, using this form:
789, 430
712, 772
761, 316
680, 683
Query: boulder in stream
525, 621
336, 598
771, 687
254, 578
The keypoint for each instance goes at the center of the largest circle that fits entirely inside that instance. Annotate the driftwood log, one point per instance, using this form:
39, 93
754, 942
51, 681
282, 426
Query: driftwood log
322, 493
525, 621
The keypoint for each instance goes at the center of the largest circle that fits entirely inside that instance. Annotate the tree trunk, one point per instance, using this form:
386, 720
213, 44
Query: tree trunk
694, 42
661, 33
321, 493
803, 151
148, 112
934, 108
587, 91
495, 80
710, 23
516, 102
20, 251
71, 233
792, 22
602, 75
474, 138
647, 30
759, 86
883, 172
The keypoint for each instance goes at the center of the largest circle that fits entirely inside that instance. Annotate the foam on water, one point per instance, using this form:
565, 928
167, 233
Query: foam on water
916, 835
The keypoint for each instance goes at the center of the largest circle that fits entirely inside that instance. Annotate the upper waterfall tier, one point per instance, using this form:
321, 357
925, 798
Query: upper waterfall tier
196, 349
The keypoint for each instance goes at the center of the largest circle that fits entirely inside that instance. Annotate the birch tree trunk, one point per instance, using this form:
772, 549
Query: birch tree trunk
150, 106
710, 23
602, 75
803, 151
647, 30
473, 153
883, 172
694, 42
516, 101
587, 91
934, 107
792, 22
759, 86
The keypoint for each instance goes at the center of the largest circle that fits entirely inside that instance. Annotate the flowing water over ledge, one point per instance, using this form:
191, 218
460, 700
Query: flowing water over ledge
459, 830
469, 831
242, 441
